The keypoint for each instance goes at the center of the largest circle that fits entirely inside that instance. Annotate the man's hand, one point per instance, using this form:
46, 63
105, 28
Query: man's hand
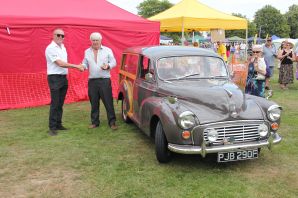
80, 67
105, 67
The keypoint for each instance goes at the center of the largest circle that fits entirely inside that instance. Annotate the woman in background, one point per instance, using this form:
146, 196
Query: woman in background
286, 57
257, 70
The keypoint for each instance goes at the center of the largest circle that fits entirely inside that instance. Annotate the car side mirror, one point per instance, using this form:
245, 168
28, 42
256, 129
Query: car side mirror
149, 76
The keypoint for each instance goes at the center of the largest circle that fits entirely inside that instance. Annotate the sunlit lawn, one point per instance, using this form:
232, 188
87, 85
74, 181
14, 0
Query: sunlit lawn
99, 162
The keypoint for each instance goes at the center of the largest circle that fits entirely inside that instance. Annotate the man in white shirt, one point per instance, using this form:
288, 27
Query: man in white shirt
269, 53
242, 50
99, 60
57, 69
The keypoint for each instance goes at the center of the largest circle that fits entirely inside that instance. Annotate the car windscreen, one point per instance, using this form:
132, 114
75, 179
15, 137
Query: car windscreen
184, 67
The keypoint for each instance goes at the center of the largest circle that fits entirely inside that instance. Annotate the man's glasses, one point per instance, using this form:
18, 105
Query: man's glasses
269, 40
60, 35
256, 52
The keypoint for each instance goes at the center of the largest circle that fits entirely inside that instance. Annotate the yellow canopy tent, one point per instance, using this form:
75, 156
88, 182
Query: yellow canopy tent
190, 15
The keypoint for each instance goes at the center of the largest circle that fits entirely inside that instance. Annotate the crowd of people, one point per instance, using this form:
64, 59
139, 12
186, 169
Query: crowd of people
99, 60
261, 65
261, 61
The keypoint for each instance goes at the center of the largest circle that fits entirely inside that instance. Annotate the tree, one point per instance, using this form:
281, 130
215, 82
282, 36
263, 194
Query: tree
270, 21
242, 33
292, 18
150, 8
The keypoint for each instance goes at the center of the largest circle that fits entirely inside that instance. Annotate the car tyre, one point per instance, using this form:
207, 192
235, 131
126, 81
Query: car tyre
124, 111
163, 155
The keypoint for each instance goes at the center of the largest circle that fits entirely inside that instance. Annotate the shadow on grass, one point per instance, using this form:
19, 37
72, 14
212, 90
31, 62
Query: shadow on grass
209, 162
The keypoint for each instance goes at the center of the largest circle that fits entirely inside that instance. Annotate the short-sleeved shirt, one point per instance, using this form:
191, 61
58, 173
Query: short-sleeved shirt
104, 56
222, 52
269, 53
55, 52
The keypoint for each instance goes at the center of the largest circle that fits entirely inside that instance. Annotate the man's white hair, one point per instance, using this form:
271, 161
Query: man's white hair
95, 36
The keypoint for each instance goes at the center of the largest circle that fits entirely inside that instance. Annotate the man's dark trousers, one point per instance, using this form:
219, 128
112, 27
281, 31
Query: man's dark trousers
58, 87
101, 88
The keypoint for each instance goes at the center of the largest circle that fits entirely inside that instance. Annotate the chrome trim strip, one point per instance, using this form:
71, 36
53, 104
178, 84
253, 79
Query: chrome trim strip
231, 122
189, 149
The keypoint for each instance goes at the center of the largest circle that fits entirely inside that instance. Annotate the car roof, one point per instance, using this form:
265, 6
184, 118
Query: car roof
156, 52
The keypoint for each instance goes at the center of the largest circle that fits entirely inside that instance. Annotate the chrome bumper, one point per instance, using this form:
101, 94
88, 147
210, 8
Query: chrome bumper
203, 150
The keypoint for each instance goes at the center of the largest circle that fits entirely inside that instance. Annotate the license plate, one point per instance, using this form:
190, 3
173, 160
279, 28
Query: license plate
237, 155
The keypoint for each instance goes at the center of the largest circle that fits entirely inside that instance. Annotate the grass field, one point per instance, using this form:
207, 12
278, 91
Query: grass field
103, 163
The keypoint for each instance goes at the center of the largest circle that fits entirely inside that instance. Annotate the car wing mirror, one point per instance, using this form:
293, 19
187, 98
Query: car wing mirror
149, 76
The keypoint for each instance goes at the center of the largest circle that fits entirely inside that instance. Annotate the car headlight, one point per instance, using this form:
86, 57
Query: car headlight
274, 112
212, 134
263, 130
186, 120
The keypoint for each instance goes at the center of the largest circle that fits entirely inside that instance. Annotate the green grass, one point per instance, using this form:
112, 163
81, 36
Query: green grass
100, 162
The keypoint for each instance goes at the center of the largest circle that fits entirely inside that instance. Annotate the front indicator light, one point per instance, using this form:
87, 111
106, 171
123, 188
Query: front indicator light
186, 135
274, 126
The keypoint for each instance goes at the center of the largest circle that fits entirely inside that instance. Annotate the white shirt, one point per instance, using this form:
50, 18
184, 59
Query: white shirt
55, 52
262, 67
242, 46
104, 56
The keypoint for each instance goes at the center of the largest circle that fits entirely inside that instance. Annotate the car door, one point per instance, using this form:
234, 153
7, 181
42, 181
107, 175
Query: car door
143, 88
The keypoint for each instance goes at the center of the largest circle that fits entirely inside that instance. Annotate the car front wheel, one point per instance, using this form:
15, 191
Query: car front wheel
163, 155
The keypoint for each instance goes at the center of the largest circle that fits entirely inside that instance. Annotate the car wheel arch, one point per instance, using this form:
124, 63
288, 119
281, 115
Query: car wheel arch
153, 124
120, 96
157, 115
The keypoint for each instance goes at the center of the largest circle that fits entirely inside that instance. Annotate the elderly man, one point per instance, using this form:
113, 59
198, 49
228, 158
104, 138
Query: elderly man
270, 53
100, 60
57, 69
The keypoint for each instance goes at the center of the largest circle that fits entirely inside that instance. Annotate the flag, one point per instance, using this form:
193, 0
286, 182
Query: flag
255, 39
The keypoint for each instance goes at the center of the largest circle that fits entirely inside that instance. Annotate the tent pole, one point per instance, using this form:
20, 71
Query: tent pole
193, 36
246, 42
182, 39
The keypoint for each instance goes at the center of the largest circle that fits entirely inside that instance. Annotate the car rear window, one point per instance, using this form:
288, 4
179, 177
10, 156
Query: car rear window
131, 63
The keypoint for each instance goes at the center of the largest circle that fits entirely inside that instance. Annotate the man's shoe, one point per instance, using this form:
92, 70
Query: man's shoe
114, 127
92, 126
61, 128
52, 132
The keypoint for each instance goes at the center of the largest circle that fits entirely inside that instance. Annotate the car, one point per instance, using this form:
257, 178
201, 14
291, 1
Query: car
184, 98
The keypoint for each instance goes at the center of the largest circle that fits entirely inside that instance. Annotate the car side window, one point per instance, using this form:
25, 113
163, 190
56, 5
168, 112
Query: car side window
144, 66
131, 63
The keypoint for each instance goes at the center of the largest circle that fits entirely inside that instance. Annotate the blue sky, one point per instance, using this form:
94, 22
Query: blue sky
247, 8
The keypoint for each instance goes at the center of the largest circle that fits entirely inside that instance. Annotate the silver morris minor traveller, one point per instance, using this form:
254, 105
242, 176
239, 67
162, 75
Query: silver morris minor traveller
184, 98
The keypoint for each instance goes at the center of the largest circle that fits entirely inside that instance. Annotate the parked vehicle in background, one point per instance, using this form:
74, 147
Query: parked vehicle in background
183, 98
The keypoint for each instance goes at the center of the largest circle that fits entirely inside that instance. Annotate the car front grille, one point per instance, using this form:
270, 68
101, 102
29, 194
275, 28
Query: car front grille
235, 134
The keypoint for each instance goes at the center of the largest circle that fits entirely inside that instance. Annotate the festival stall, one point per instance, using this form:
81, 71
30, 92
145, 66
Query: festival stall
26, 29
